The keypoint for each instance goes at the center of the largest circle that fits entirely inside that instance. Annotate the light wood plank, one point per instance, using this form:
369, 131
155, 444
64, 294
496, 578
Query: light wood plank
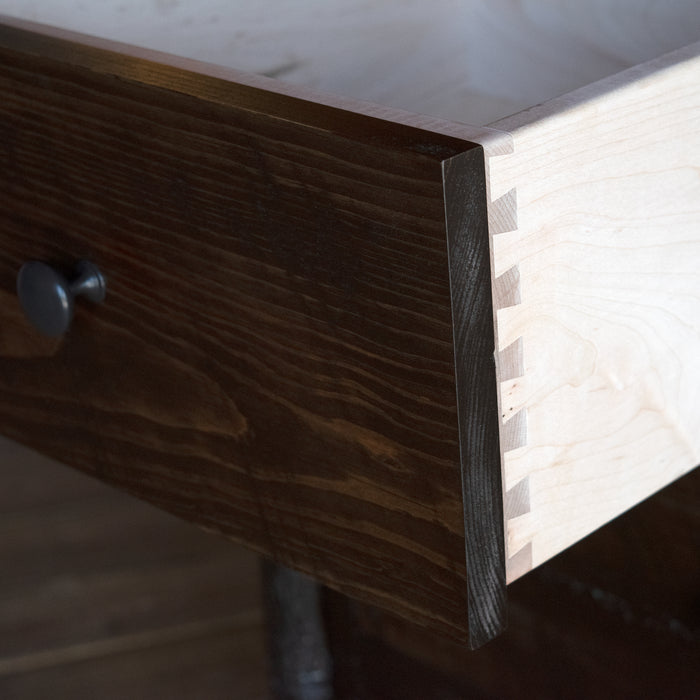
608, 316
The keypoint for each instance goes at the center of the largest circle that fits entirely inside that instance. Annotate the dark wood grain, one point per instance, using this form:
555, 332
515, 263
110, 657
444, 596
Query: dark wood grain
277, 358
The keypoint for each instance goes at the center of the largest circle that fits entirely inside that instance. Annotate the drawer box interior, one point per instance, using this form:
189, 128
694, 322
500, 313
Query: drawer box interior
473, 62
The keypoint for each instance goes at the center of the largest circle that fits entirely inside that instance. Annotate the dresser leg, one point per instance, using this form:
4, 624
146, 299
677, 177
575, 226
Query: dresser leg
300, 665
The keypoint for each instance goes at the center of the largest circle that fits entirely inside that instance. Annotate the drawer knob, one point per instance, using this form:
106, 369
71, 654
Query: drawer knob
47, 297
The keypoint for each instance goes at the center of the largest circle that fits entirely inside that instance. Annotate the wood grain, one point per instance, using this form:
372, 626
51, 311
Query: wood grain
599, 347
275, 359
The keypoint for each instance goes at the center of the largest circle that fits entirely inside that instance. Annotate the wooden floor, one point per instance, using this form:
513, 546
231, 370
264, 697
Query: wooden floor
102, 596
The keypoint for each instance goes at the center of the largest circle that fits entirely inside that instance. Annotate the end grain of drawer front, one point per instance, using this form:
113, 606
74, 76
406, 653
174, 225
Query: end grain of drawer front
297, 296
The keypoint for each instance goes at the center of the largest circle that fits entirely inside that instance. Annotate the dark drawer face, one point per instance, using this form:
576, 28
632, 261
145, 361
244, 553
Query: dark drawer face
275, 358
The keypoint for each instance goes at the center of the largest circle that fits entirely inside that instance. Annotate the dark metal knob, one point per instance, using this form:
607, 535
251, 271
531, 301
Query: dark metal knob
48, 297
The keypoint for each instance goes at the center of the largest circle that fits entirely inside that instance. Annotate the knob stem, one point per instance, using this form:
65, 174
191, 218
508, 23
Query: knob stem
88, 282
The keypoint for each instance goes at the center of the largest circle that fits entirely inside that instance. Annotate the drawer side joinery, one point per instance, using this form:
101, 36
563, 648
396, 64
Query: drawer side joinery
510, 366
595, 236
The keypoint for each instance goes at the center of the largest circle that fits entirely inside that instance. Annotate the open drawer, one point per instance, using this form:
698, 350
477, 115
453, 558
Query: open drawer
410, 357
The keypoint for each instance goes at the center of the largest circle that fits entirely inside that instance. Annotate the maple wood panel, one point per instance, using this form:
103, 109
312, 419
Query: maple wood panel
597, 291
275, 359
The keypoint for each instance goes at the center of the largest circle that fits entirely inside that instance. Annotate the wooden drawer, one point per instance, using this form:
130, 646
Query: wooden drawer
306, 295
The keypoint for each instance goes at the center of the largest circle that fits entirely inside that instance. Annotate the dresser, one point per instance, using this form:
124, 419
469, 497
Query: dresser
411, 357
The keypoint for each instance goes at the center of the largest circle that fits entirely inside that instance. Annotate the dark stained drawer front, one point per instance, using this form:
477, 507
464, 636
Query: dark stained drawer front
276, 357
